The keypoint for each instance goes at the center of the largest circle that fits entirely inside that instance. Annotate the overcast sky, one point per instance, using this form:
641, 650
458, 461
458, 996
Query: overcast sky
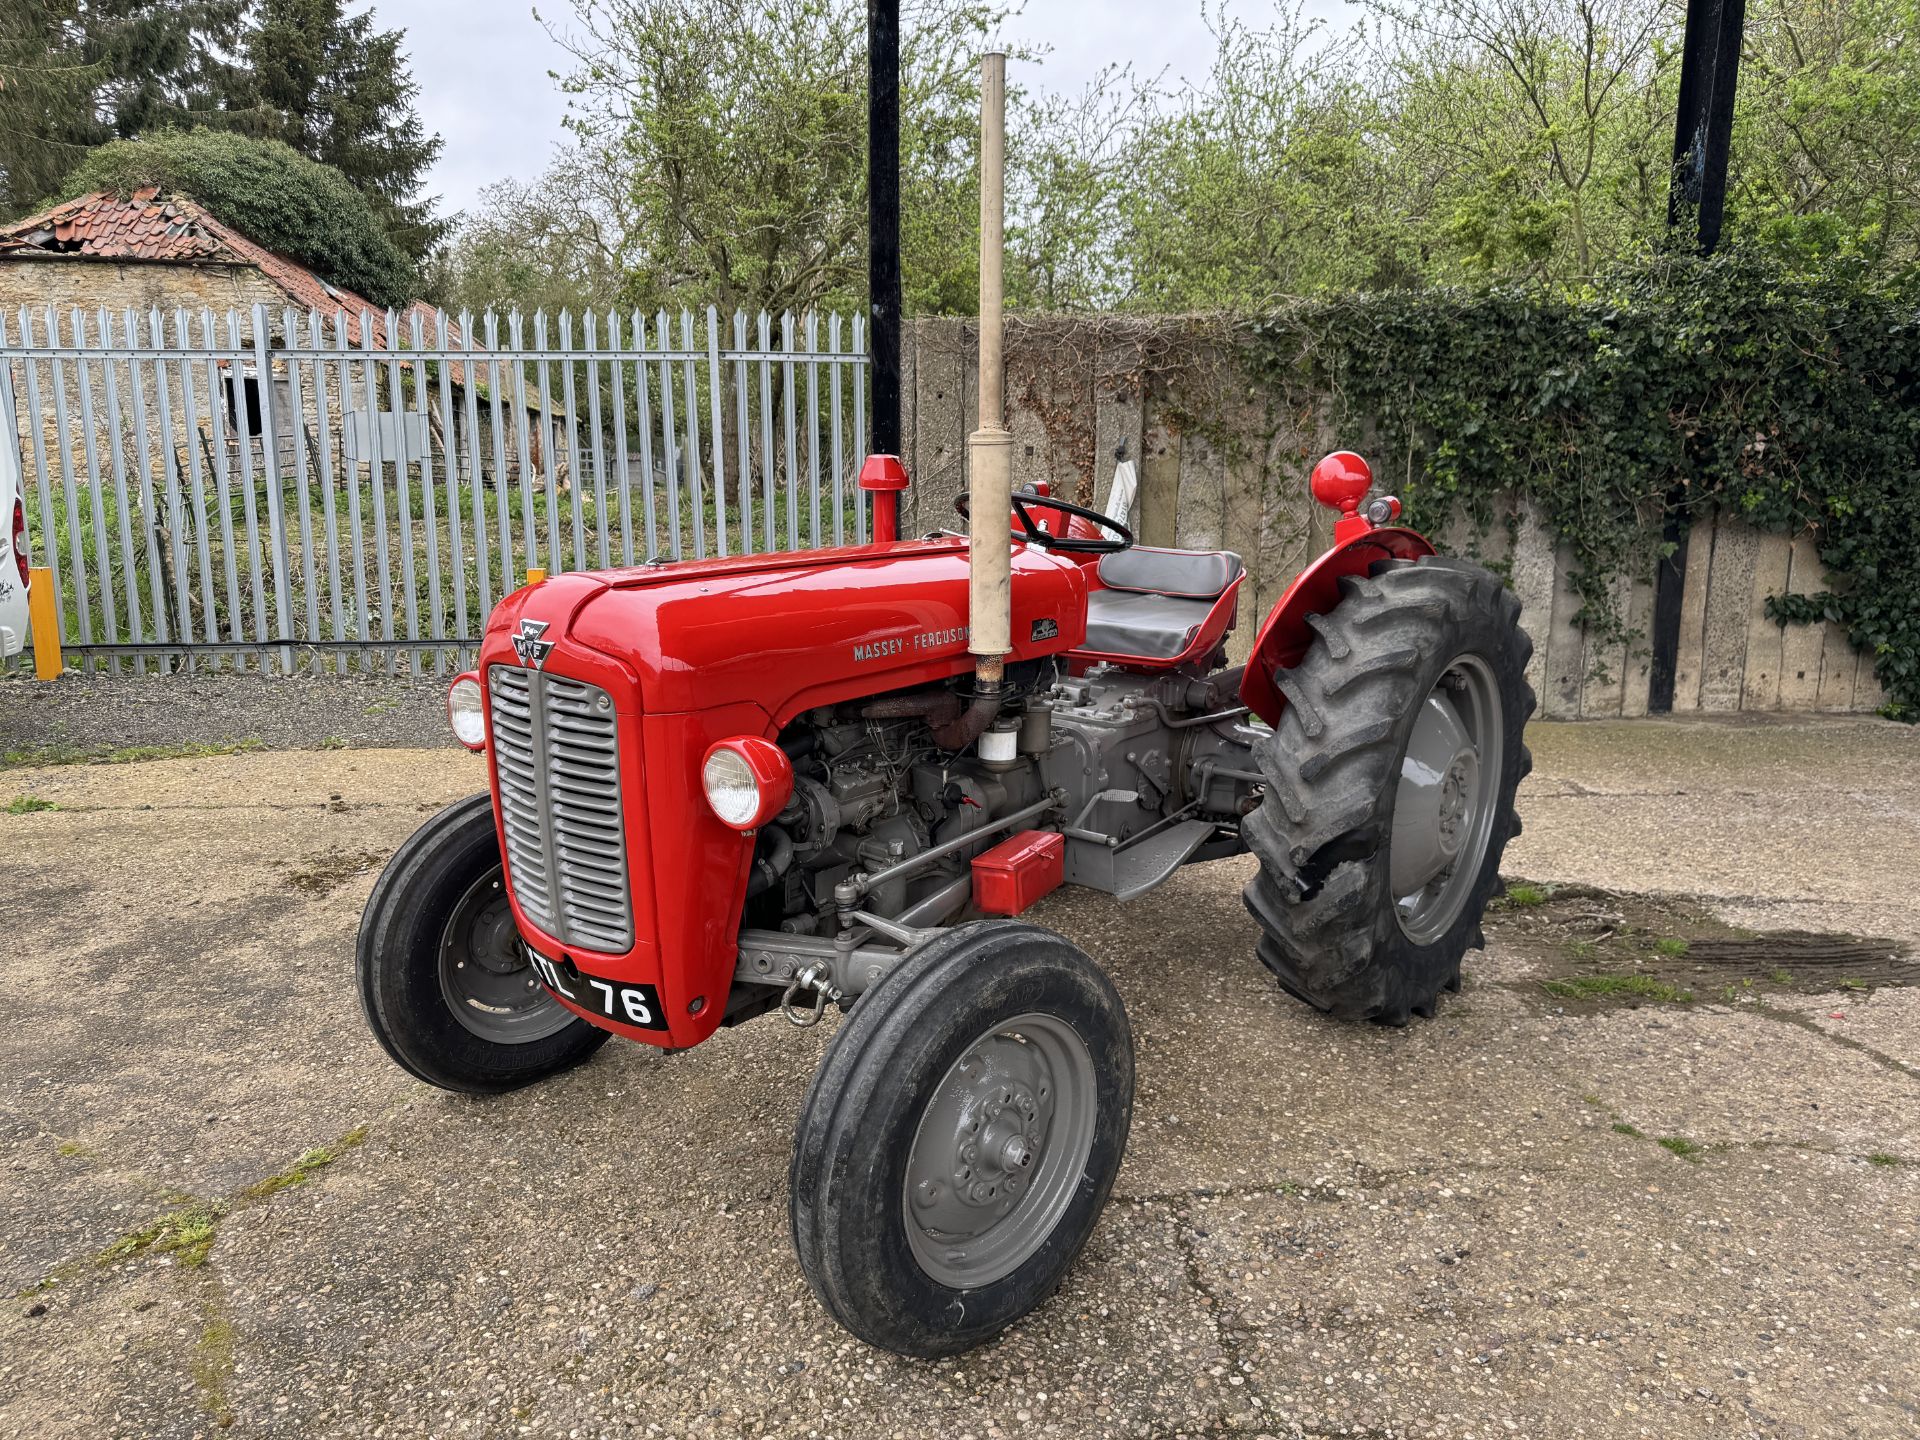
483, 68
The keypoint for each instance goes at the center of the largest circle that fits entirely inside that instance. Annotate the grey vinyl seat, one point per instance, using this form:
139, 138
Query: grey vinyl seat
1154, 601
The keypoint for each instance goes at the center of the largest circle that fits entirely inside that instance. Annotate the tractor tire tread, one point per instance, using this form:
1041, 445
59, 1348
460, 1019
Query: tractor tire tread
1329, 932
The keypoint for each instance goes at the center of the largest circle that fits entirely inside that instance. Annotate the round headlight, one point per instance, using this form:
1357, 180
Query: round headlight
467, 713
748, 781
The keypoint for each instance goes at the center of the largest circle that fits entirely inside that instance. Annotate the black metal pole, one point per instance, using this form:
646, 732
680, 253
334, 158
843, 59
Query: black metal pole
1703, 127
1696, 202
883, 221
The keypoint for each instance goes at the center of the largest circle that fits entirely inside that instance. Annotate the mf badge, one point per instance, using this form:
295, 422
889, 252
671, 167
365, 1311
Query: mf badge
528, 645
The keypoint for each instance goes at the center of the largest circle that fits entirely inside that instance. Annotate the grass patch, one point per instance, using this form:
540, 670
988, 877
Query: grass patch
188, 1232
1524, 896
42, 755
1883, 1160
1671, 948
1679, 1144
1620, 1127
213, 1363
1605, 987
333, 742
306, 1167
1853, 985
29, 805
72, 1148
1780, 977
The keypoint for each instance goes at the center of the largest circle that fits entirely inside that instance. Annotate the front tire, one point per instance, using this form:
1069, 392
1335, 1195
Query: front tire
961, 1138
444, 981
1390, 783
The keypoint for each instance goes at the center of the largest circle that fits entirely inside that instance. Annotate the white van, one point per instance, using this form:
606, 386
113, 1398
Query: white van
13, 553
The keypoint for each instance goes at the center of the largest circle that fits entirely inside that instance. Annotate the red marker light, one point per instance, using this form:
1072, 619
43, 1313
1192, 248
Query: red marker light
1341, 481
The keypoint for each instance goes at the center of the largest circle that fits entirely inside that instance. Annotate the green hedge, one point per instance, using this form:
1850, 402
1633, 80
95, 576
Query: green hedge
270, 193
1790, 398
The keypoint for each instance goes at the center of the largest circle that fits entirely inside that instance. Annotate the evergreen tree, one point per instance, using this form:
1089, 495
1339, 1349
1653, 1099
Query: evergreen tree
75, 74
339, 91
158, 60
46, 96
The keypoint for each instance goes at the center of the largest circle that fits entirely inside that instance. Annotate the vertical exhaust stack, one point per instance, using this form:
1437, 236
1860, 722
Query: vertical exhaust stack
990, 447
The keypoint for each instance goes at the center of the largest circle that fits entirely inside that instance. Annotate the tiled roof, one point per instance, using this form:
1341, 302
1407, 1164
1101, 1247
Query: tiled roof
144, 226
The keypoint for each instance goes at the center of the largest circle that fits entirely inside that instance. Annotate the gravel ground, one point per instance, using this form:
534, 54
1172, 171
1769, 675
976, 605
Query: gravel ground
82, 715
1467, 1228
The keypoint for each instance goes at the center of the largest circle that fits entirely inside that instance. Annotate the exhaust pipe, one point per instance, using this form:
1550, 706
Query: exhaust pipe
990, 447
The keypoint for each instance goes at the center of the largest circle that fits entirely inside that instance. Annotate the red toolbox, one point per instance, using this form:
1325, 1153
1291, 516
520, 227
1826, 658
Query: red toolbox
1018, 871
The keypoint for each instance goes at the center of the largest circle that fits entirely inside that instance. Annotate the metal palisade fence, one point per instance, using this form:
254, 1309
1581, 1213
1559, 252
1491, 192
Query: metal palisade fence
281, 491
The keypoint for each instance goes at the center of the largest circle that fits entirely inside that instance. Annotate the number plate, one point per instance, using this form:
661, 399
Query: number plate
636, 1005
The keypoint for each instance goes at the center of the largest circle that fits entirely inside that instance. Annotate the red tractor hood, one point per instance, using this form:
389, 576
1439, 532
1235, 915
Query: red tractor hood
785, 633
696, 653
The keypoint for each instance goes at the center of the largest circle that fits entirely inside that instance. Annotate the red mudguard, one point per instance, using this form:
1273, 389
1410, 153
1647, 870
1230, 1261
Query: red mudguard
1285, 635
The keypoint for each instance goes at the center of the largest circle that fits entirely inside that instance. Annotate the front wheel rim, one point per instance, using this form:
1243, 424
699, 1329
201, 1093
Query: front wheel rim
1447, 799
485, 977
1000, 1151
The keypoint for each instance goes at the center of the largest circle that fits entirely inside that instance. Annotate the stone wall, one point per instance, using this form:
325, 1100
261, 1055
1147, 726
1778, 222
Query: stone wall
1077, 388
37, 282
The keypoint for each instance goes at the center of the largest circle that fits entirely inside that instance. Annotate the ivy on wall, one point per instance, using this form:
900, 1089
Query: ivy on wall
1790, 398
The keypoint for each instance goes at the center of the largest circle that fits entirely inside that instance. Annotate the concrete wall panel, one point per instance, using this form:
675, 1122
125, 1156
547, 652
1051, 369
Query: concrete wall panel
1691, 657
1566, 644
1801, 645
1533, 582
940, 423
1201, 523
1773, 554
1603, 687
1729, 604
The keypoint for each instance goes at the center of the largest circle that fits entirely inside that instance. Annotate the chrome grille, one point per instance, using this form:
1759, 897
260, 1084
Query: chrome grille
557, 763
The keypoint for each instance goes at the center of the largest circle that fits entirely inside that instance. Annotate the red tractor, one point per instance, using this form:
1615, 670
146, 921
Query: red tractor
773, 783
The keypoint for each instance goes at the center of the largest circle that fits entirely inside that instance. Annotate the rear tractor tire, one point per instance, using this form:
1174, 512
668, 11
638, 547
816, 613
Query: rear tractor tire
961, 1137
444, 980
1389, 789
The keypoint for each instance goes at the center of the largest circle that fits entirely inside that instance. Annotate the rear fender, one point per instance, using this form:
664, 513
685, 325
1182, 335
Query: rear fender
1285, 634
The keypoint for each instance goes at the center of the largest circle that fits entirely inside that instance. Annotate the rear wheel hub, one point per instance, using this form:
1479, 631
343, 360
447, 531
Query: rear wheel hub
1446, 799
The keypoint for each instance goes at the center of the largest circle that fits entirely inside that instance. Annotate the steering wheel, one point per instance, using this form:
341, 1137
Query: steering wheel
1122, 538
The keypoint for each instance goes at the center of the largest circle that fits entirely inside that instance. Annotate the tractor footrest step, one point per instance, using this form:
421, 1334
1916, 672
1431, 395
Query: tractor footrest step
1130, 870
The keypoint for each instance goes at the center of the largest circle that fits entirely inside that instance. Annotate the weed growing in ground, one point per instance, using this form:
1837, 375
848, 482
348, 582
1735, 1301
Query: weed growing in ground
188, 1232
306, 1167
1601, 987
40, 755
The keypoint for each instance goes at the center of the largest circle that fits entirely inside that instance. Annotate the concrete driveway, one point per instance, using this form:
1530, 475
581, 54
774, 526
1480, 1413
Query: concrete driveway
1565, 1209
